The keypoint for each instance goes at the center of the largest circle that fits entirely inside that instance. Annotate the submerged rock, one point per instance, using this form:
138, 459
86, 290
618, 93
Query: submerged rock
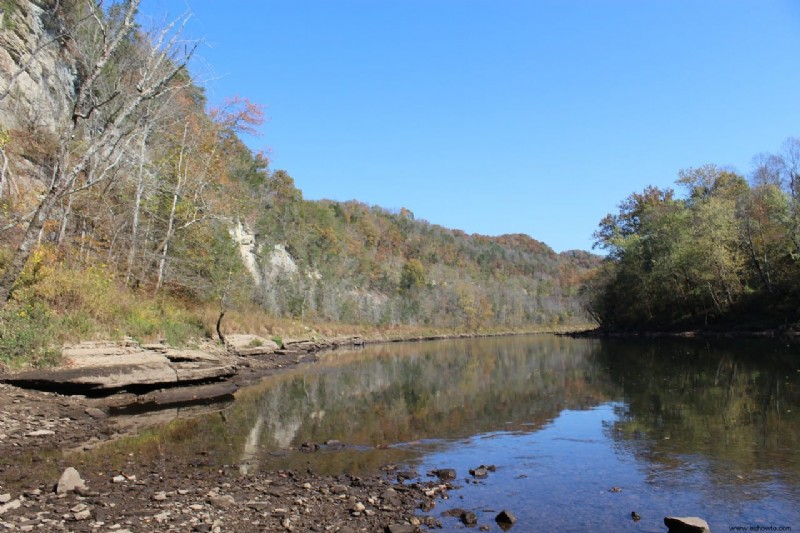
469, 518
445, 474
479, 472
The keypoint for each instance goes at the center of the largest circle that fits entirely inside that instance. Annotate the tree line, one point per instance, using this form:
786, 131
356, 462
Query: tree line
139, 185
724, 254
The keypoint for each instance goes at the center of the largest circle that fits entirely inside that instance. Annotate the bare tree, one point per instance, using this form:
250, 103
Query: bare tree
104, 114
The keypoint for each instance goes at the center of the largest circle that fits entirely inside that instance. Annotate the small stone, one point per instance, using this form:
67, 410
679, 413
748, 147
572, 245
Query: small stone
469, 518
83, 515
257, 505
70, 480
445, 474
118, 479
5, 498
309, 447
159, 496
359, 507
338, 489
222, 502
162, 517
40, 433
97, 414
400, 528
506, 517
13, 504
480, 472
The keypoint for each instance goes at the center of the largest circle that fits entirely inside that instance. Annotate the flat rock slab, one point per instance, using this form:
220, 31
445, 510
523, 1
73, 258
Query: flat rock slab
85, 358
244, 345
197, 394
686, 524
121, 376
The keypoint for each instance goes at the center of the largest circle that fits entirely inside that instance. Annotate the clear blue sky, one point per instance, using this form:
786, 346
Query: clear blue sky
501, 116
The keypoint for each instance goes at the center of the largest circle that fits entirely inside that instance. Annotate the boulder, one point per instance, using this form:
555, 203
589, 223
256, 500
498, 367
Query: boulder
686, 524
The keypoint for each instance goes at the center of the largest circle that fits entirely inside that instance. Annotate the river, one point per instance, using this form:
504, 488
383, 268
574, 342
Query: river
582, 432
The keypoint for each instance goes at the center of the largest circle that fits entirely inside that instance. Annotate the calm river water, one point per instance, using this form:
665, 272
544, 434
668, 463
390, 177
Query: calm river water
682, 427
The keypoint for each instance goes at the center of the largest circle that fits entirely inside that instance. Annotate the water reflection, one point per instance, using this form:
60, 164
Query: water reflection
684, 427
730, 409
411, 397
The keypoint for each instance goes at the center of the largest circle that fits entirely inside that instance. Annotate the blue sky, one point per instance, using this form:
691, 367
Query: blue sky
502, 116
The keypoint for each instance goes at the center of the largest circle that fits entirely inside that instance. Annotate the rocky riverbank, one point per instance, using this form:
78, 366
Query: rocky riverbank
44, 433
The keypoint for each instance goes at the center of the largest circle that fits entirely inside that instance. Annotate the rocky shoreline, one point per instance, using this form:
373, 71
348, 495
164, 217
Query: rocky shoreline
49, 483
41, 431
105, 391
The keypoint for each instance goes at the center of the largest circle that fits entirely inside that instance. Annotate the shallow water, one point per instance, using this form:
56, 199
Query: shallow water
686, 428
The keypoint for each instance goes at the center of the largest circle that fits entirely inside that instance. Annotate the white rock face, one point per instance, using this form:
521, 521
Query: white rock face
248, 249
281, 262
42, 87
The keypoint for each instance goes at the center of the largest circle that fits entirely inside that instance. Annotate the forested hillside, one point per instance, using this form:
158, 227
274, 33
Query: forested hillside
727, 254
131, 207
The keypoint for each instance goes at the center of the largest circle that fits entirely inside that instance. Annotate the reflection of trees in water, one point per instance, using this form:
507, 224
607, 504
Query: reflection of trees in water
731, 407
439, 390
690, 408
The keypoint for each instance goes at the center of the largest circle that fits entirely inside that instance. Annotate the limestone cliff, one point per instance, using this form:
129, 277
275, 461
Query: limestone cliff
37, 70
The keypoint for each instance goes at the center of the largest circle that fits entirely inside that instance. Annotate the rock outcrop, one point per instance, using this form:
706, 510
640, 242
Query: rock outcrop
102, 368
38, 72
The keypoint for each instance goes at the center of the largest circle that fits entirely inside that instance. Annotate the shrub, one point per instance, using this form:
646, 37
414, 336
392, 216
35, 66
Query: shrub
27, 336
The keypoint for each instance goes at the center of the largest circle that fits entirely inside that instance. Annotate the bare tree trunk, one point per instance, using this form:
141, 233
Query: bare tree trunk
162, 263
3, 172
137, 203
64, 218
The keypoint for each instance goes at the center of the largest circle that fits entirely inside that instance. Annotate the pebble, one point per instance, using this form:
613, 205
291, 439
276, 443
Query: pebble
40, 433
268, 501
83, 515
506, 517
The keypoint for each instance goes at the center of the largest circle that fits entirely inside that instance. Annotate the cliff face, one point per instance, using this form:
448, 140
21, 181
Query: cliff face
37, 71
